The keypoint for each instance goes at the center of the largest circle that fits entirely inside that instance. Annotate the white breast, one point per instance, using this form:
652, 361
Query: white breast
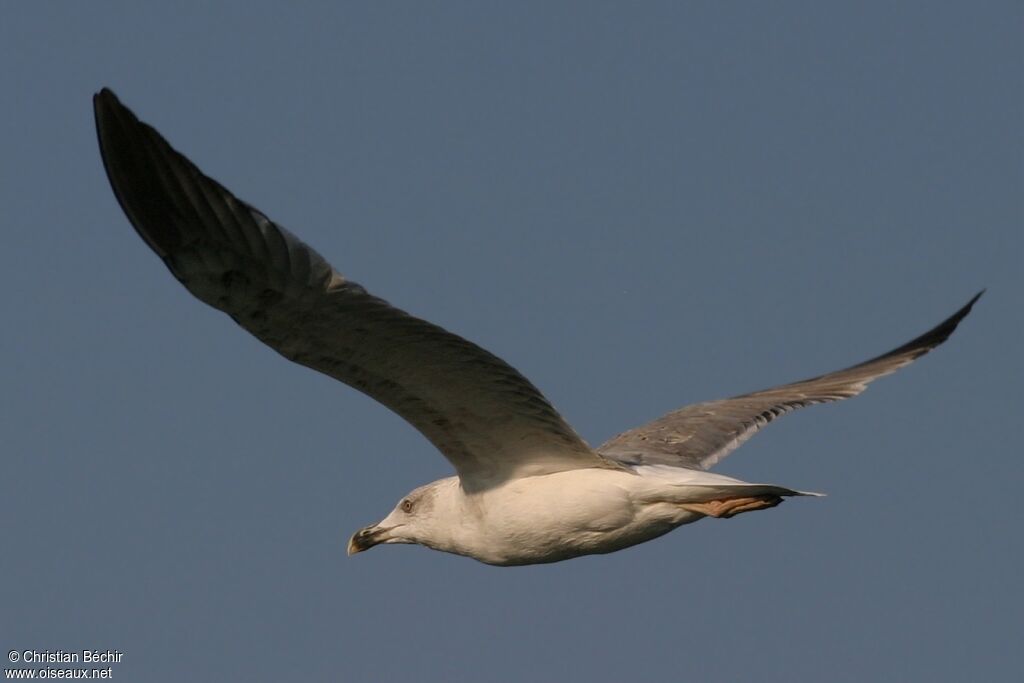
557, 516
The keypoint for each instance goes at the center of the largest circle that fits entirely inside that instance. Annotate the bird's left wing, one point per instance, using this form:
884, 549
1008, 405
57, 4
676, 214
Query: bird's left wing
485, 417
699, 435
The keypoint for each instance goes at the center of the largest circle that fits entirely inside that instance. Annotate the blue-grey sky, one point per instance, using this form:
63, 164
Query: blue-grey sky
639, 205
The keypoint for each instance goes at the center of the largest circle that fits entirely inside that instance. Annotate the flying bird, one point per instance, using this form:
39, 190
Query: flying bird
527, 488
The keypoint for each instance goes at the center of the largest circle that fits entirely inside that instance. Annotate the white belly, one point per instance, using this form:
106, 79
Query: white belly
580, 512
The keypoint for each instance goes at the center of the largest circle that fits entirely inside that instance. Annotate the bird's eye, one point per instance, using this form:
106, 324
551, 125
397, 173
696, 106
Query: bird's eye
406, 505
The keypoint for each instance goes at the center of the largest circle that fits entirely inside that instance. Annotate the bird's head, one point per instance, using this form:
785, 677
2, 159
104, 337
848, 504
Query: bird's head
414, 520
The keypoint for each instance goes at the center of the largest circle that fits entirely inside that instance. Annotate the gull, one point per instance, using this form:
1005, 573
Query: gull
527, 489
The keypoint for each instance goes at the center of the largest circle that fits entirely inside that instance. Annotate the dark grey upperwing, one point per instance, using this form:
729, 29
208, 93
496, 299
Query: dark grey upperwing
700, 435
485, 417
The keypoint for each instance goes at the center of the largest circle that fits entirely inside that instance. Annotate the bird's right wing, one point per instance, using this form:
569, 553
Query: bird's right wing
699, 435
486, 418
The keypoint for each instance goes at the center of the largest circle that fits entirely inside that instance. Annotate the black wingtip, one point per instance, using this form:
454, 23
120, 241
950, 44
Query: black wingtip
105, 100
941, 332
127, 148
955, 319
919, 346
